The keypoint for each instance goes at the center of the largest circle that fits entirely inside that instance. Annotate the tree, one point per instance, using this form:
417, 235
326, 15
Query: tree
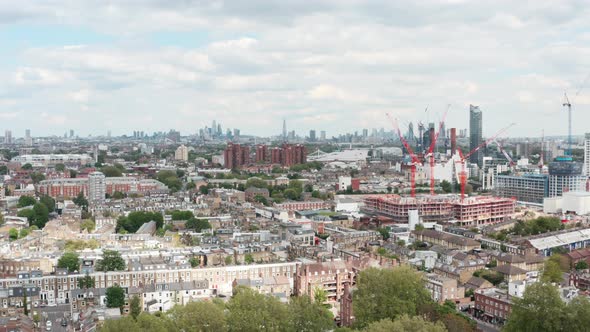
170, 179
552, 272
319, 296
127, 324
577, 314
86, 282
540, 309
446, 186
581, 265
132, 222
388, 293
252, 311
197, 224
194, 261
384, 233
248, 259
37, 177
23, 233
3, 170
307, 315
111, 261
60, 167
191, 185
115, 297
111, 171
87, 225
13, 234
41, 215
198, 316
405, 323
27, 167
26, 201
70, 261
135, 306
49, 202
81, 201
204, 190
261, 199
25, 304
229, 260
118, 195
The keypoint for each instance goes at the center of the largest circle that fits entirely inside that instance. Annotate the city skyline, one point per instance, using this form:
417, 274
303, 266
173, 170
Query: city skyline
178, 67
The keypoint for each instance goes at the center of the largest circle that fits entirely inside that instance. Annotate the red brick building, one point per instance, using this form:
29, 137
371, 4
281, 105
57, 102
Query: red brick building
236, 156
492, 305
262, 155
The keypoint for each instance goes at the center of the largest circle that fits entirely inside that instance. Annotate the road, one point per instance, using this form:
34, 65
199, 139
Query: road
486, 327
55, 315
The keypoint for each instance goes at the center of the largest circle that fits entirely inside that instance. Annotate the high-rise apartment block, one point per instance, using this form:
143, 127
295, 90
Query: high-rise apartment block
8, 137
181, 153
289, 155
475, 134
586, 169
262, 155
236, 155
96, 187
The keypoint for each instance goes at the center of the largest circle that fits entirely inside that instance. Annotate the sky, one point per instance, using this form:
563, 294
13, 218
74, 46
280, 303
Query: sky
334, 65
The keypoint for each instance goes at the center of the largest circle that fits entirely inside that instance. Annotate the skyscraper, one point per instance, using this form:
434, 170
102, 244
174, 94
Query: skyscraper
8, 137
28, 138
284, 130
323, 135
475, 133
96, 187
586, 169
181, 153
312, 135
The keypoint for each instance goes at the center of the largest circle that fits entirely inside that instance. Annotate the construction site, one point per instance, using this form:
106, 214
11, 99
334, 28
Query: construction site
471, 211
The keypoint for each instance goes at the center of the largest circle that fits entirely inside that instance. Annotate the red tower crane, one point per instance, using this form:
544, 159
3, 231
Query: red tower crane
511, 162
414, 159
431, 149
463, 158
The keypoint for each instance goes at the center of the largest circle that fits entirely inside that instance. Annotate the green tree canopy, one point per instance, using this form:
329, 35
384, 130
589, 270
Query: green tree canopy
198, 316
27, 167
111, 171
170, 179
540, 309
86, 282
115, 297
81, 201
49, 202
134, 220
60, 167
135, 306
388, 293
87, 225
197, 224
182, 215
41, 215
111, 261
581, 265
256, 182
307, 315
13, 234
405, 323
70, 261
26, 201
552, 272
249, 310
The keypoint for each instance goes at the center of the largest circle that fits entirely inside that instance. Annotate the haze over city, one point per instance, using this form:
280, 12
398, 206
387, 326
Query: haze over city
338, 66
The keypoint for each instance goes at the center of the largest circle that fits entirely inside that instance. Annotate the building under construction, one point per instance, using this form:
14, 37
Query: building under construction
471, 211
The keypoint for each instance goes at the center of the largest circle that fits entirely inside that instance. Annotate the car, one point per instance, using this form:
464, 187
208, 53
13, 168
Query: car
48, 325
64, 322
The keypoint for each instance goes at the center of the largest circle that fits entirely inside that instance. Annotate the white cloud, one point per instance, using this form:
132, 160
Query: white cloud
333, 65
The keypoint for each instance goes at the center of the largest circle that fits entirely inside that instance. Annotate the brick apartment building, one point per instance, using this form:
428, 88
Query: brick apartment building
236, 156
288, 155
492, 305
